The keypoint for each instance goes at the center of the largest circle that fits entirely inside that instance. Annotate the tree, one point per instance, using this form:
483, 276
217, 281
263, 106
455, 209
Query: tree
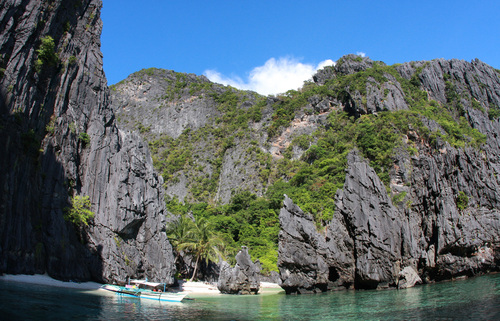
199, 239
46, 53
79, 213
178, 232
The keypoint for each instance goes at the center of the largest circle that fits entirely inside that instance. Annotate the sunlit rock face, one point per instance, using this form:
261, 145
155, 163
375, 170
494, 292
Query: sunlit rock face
380, 235
243, 278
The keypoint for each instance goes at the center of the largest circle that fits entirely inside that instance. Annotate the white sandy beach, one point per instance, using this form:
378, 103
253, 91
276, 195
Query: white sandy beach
269, 285
197, 287
184, 286
47, 280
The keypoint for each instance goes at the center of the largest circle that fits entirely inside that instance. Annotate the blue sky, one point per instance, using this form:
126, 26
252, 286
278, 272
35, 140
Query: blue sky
248, 43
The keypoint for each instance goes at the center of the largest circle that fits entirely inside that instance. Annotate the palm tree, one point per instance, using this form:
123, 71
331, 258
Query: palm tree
178, 232
201, 241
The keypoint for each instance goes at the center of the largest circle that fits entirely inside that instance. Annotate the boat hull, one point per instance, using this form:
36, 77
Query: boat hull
145, 294
164, 296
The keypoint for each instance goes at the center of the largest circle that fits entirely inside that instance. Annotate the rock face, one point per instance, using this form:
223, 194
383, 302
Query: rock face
424, 229
370, 241
243, 278
369, 96
310, 261
58, 138
164, 106
374, 225
408, 277
155, 98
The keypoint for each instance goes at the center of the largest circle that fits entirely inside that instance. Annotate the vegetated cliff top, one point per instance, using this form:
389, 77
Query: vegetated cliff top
156, 101
223, 151
208, 121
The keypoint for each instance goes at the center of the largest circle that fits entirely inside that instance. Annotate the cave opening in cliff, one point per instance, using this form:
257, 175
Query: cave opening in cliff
333, 275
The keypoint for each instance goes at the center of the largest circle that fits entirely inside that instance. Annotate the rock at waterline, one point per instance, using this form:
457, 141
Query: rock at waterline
408, 277
243, 278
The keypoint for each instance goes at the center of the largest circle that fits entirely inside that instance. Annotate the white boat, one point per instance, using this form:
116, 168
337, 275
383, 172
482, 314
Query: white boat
143, 289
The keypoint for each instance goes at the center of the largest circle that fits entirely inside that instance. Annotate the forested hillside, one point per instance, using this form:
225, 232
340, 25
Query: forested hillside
230, 156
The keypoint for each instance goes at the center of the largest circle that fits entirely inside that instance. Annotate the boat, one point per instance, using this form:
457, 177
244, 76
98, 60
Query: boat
142, 289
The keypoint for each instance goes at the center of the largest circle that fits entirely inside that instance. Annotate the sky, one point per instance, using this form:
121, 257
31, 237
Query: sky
275, 45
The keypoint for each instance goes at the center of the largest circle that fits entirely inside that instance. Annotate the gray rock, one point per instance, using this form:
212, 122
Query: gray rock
351, 63
243, 278
346, 65
387, 95
369, 238
475, 79
408, 278
373, 224
162, 105
72, 146
308, 261
161, 102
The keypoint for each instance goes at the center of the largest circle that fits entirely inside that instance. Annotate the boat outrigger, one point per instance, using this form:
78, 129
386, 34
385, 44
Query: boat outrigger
143, 289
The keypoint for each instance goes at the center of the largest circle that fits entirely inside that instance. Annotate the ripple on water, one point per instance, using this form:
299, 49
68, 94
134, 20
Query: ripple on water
477, 298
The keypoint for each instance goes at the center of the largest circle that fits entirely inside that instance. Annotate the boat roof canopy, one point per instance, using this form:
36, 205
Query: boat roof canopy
144, 282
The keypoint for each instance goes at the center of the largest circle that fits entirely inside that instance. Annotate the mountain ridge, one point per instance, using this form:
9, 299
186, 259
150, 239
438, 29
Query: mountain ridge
313, 110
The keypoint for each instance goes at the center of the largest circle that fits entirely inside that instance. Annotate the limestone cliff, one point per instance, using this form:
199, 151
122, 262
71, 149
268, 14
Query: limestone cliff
214, 137
421, 221
193, 120
427, 203
59, 139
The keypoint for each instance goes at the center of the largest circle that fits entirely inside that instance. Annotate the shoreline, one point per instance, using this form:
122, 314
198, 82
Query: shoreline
44, 279
184, 286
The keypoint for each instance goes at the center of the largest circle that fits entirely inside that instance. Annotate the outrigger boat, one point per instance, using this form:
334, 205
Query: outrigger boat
143, 289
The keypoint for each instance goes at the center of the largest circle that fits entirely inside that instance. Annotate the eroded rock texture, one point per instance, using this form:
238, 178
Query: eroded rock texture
164, 105
58, 138
372, 242
243, 278
310, 261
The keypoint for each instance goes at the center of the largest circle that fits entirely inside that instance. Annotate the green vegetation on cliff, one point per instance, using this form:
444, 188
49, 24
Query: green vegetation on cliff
312, 167
47, 55
79, 213
198, 154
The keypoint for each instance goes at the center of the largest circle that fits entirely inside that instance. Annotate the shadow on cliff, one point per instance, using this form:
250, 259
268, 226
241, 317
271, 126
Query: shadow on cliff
34, 236
79, 258
39, 153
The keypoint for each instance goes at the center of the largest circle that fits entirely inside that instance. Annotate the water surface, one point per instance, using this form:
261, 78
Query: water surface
476, 298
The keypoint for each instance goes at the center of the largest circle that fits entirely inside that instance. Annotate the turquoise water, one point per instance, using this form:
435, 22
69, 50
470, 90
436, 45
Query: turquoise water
472, 299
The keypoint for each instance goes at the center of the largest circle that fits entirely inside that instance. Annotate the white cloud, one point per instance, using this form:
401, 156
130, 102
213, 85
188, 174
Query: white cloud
274, 77
325, 63
361, 54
